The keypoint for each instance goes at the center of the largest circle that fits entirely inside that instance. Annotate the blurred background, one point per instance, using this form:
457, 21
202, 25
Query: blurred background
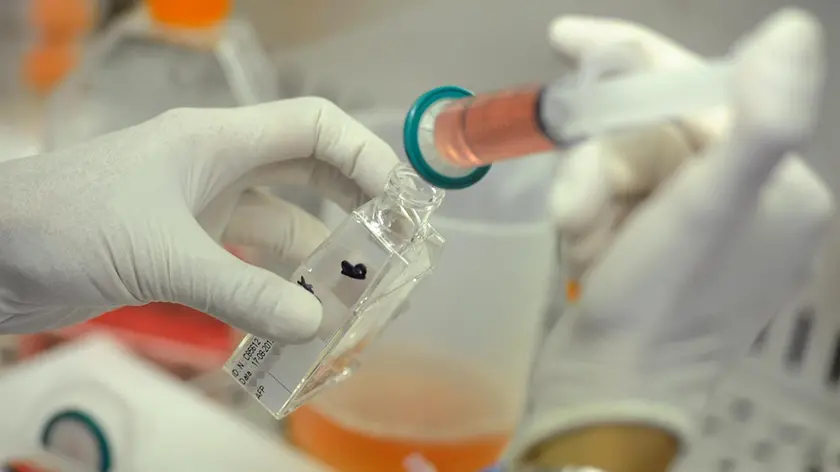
75, 69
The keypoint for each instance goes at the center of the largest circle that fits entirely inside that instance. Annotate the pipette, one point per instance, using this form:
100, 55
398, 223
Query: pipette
452, 137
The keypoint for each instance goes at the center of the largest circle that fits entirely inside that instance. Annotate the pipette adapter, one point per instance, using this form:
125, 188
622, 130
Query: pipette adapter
419, 141
452, 137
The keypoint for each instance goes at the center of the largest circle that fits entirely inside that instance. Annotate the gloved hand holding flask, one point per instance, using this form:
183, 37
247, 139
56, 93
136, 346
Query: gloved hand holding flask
137, 216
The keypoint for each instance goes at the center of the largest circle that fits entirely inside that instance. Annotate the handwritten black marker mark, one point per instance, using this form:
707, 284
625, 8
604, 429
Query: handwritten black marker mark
357, 271
307, 287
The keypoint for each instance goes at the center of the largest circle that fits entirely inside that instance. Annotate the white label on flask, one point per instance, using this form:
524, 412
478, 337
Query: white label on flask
271, 374
417, 463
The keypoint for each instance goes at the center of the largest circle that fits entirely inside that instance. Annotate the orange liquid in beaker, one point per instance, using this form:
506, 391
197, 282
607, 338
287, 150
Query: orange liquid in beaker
189, 13
403, 404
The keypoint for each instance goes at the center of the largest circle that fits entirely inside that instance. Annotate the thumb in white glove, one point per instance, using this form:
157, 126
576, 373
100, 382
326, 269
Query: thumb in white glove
684, 257
137, 216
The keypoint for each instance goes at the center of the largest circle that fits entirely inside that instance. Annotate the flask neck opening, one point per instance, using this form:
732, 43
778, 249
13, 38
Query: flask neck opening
416, 198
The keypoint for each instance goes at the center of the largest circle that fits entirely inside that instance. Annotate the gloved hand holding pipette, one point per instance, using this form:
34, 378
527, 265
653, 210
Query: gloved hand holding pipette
689, 236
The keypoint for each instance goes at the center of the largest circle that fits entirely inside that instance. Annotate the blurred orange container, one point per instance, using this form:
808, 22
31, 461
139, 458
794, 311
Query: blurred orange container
181, 340
63, 19
25, 466
46, 63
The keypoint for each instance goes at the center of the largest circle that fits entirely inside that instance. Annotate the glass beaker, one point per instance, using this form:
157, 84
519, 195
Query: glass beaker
362, 275
164, 55
446, 382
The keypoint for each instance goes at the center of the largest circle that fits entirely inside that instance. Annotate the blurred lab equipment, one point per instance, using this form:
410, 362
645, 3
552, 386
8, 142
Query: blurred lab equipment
41, 41
362, 274
166, 54
54, 20
40, 462
39, 44
182, 341
98, 407
9, 351
452, 137
446, 381
48, 35
46, 63
777, 410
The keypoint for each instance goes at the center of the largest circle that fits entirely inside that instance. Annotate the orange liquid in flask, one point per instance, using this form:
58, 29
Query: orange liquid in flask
403, 404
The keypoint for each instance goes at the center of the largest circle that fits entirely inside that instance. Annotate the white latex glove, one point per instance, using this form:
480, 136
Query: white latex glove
690, 236
137, 215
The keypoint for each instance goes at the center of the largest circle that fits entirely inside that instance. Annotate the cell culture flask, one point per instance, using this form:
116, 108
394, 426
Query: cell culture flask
163, 55
446, 383
40, 43
53, 19
362, 275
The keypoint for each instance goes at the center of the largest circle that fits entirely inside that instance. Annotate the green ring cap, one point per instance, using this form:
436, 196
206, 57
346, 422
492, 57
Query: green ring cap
412, 143
75, 416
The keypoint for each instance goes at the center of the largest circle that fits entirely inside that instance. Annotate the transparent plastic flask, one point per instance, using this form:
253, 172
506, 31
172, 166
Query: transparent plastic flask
362, 275
161, 56
445, 384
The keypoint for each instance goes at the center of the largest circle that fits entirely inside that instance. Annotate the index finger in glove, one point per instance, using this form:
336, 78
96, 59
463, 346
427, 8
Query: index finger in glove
327, 180
242, 140
578, 38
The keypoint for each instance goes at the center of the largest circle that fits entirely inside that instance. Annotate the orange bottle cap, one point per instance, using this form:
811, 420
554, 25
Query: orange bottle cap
189, 13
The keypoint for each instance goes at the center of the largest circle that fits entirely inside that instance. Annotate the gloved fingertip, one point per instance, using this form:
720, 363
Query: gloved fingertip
572, 35
579, 36
798, 186
571, 214
581, 191
293, 316
580, 253
792, 22
296, 319
622, 178
245, 296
